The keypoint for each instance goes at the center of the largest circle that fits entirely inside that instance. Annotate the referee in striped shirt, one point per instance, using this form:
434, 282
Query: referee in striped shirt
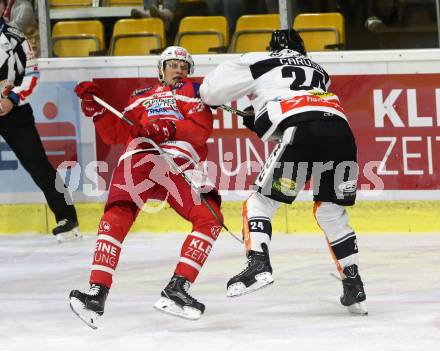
18, 78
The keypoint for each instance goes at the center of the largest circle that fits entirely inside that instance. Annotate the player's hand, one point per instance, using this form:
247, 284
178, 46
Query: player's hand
6, 106
158, 130
85, 91
249, 120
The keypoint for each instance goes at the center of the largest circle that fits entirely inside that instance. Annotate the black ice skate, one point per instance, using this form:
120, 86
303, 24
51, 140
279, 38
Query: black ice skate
176, 301
354, 295
89, 306
66, 230
257, 275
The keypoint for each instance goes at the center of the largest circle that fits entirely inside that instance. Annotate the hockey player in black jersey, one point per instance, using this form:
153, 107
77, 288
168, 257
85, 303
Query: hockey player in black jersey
292, 104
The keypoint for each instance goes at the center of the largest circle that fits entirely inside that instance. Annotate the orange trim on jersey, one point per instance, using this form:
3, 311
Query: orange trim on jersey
246, 231
338, 265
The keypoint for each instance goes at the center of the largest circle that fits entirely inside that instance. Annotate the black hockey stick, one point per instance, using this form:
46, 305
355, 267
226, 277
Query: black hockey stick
174, 166
234, 110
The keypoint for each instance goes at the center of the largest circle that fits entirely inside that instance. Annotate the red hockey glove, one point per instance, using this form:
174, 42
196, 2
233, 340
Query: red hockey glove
85, 91
158, 130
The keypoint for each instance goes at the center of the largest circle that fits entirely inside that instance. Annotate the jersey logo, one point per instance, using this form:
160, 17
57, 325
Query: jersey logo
141, 91
179, 85
285, 186
309, 100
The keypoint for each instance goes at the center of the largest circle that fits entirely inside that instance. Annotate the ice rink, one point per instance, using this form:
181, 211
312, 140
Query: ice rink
300, 311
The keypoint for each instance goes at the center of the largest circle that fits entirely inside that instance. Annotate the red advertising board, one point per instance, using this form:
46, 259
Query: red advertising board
395, 118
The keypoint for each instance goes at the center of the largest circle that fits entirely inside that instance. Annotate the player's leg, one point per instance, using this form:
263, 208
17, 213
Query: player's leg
120, 213
257, 213
341, 239
175, 298
334, 189
282, 177
22, 136
113, 228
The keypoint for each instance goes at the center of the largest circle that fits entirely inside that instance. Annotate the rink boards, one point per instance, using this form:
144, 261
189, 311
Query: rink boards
392, 99
403, 217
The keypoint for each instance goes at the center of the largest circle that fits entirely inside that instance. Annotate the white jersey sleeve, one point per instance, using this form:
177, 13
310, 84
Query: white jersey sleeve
228, 81
280, 85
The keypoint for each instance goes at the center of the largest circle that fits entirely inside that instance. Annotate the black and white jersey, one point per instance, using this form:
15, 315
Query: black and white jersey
280, 85
18, 66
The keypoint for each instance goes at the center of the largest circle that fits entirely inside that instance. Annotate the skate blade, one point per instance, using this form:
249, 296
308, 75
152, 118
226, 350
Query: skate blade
89, 317
262, 281
71, 235
170, 307
358, 308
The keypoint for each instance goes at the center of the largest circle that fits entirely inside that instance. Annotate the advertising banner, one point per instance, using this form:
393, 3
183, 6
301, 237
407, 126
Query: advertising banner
56, 113
394, 116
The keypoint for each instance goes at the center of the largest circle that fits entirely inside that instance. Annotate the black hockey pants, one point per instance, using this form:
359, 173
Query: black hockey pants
19, 131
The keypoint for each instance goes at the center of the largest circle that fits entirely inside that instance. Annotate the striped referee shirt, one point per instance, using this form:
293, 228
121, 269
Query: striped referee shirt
18, 66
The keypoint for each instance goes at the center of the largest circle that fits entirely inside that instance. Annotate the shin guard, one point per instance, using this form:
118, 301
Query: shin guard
257, 213
341, 238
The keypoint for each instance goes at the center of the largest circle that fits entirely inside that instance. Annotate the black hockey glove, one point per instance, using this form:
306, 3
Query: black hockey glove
249, 121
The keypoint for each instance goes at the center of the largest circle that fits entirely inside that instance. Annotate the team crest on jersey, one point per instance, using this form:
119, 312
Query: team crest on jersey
104, 227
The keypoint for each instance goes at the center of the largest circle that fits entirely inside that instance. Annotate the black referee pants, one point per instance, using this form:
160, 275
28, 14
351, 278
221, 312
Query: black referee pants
19, 131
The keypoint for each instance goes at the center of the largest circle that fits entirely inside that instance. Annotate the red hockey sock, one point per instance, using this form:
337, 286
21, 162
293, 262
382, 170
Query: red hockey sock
197, 246
114, 226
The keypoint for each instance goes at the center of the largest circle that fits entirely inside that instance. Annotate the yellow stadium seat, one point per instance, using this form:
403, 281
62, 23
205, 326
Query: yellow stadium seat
253, 32
56, 4
125, 3
321, 31
133, 37
77, 38
198, 34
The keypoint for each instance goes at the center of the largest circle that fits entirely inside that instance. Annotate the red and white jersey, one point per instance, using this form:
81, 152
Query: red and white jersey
181, 104
284, 84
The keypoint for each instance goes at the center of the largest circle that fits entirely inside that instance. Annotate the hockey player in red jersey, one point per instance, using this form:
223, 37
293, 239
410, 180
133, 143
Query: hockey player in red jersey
172, 115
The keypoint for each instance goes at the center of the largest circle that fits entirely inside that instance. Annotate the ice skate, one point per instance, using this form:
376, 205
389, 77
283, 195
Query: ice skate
257, 275
67, 230
354, 295
176, 301
89, 306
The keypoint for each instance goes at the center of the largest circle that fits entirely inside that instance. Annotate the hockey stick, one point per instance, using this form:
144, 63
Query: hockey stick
171, 163
234, 110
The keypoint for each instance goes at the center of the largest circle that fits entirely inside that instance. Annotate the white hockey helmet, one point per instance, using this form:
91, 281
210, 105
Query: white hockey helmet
174, 53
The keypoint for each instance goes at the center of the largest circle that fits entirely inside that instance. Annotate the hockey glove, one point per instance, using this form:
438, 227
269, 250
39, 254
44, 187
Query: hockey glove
85, 91
158, 130
249, 121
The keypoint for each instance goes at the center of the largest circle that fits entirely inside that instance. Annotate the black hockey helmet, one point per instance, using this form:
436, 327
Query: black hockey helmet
287, 39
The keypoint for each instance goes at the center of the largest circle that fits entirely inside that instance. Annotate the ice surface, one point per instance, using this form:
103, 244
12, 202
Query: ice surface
300, 311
